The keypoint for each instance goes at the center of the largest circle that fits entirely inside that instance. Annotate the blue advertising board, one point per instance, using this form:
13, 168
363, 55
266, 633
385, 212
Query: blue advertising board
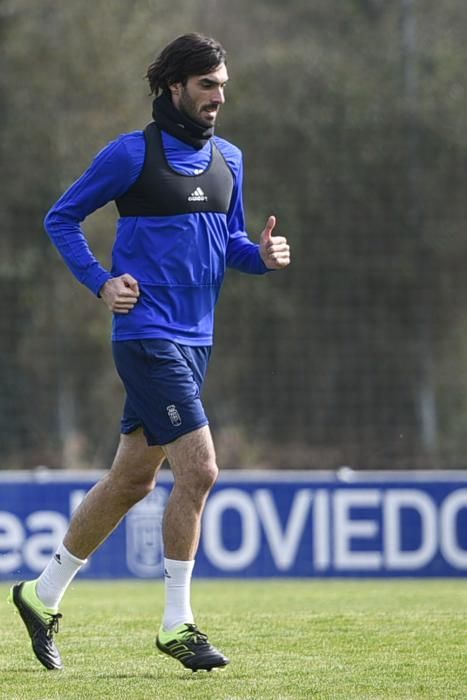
256, 524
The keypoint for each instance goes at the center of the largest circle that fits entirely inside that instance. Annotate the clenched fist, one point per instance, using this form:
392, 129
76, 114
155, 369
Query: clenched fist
120, 294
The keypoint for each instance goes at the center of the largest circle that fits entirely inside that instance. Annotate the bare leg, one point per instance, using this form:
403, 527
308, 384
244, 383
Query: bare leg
193, 462
131, 477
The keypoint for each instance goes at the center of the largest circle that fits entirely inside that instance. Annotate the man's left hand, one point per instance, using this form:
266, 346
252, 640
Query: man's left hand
274, 250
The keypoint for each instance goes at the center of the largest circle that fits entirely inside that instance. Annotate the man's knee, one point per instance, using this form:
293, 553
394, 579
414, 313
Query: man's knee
197, 481
207, 475
130, 488
133, 473
141, 487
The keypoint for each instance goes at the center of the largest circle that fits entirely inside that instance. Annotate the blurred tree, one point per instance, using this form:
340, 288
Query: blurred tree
318, 366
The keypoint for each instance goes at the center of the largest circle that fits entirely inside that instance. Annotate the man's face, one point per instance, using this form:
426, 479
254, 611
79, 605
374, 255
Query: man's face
202, 95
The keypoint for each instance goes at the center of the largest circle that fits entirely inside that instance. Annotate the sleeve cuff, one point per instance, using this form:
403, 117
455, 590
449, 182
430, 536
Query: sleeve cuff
97, 281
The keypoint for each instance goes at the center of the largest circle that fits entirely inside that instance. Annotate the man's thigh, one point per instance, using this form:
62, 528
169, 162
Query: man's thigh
135, 460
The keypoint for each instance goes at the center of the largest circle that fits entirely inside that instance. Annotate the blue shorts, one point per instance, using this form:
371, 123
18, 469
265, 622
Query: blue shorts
163, 381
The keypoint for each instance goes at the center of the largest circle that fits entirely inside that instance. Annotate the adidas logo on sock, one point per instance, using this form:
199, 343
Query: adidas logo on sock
58, 559
197, 196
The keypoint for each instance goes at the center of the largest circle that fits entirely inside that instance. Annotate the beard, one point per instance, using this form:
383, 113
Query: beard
195, 112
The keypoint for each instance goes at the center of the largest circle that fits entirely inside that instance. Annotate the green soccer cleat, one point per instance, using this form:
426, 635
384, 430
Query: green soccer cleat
191, 647
41, 623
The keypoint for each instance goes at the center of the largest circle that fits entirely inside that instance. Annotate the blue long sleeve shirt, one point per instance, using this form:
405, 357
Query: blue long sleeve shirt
178, 261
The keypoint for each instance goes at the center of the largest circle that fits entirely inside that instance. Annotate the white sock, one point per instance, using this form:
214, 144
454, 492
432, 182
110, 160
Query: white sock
177, 576
57, 576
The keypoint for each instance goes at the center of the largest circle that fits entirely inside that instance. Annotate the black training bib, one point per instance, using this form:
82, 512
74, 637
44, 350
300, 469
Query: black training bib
160, 191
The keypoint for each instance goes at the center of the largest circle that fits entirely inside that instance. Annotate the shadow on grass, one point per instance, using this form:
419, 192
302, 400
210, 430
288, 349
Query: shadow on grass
190, 676
34, 671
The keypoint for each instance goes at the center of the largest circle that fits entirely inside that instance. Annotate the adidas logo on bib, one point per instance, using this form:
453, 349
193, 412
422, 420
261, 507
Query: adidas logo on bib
197, 196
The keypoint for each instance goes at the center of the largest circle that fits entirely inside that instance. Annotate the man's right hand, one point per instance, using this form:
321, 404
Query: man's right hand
120, 294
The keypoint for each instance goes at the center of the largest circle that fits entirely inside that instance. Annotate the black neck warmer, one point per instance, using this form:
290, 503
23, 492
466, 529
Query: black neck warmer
170, 119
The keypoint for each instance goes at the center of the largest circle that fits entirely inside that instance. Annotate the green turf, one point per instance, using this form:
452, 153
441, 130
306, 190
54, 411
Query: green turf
286, 640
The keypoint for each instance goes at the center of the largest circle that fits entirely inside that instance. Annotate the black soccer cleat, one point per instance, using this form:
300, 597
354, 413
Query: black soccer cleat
41, 626
191, 647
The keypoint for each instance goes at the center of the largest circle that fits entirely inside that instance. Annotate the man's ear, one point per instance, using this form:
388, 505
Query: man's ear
175, 89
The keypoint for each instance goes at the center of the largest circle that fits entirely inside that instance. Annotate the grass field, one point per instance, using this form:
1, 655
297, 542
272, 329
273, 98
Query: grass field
286, 639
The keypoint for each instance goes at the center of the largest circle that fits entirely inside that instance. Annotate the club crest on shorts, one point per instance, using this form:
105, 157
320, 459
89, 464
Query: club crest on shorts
174, 415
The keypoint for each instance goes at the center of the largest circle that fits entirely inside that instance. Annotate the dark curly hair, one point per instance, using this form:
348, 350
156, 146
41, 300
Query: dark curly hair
189, 54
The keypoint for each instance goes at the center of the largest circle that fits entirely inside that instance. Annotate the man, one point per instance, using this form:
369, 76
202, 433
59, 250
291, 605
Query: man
178, 189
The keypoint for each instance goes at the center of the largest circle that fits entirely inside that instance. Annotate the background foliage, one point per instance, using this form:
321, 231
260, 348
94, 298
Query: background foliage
351, 118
